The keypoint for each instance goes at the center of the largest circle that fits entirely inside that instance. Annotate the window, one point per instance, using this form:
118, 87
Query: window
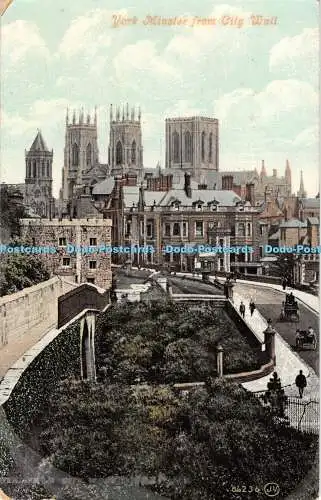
185, 229
188, 147
199, 230
128, 228
167, 230
142, 228
33, 241
34, 168
92, 242
176, 229
214, 207
66, 262
48, 173
75, 155
149, 230
221, 261
221, 242
91, 280
175, 147
210, 148
43, 173
92, 264
119, 153
203, 146
62, 242
249, 229
88, 154
241, 229
134, 152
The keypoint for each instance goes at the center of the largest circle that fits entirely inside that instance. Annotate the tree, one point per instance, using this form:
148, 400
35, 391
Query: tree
19, 271
11, 211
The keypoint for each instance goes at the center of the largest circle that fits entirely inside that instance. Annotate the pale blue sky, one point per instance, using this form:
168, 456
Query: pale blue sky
260, 82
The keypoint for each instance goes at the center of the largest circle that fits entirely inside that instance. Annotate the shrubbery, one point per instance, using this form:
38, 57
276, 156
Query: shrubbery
168, 343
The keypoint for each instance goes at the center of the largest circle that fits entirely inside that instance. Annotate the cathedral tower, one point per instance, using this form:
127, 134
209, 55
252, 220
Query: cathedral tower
125, 141
192, 144
80, 153
302, 192
38, 181
288, 177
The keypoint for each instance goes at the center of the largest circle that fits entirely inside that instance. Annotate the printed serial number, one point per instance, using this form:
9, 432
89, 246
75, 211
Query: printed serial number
245, 489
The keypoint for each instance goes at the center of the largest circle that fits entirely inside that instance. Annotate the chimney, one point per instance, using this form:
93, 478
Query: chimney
187, 186
275, 172
249, 196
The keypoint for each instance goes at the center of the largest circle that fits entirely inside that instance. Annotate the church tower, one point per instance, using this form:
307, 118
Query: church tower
80, 152
302, 192
38, 181
287, 177
192, 145
125, 151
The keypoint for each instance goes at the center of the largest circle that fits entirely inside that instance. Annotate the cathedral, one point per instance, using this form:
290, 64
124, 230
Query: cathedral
192, 147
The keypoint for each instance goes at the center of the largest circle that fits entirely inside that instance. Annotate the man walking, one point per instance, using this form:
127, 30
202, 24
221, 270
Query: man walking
242, 309
301, 383
252, 307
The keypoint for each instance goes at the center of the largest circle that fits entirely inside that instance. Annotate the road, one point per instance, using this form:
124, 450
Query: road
268, 302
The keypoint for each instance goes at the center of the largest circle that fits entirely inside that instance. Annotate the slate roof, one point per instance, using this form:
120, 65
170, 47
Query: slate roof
293, 223
314, 221
39, 143
310, 202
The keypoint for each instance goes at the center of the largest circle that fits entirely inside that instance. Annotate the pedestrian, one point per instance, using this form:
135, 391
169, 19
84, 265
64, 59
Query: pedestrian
242, 309
284, 283
301, 383
252, 307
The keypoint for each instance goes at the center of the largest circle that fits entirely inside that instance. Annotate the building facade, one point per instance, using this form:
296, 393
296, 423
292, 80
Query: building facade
89, 267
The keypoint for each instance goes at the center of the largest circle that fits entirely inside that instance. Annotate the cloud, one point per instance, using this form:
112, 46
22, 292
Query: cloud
280, 98
22, 39
308, 137
296, 56
87, 35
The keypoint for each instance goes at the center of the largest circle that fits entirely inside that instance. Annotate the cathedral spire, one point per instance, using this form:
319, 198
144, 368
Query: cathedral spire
139, 114
74, 117
95, 116
123, 116
67, 116
117, 114
111, 113
263, 171
81, 116
133, 114
127, 112
301, 193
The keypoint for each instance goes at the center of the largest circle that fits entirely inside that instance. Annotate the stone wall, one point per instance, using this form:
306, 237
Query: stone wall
32, 310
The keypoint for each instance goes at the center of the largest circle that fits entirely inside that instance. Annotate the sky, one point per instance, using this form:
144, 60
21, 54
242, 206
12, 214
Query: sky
261, 82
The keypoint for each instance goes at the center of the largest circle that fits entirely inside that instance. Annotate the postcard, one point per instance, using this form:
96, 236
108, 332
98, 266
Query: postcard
159, 250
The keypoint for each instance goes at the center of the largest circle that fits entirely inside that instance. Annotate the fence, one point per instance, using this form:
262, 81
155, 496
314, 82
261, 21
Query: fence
299, 414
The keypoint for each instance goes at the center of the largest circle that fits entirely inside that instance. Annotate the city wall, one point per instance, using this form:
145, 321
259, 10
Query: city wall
33, 311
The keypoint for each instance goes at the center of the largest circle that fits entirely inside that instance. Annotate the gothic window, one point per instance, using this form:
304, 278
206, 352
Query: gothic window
241, 229
43, 169
75, 155
34, 173
203, 146
29, 169
188, 147
210, 148
134, 152
175, 147
88, 155
119, 153
48, 175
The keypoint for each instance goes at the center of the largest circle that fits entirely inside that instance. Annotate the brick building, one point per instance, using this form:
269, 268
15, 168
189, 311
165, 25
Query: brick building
60, 234
183, 215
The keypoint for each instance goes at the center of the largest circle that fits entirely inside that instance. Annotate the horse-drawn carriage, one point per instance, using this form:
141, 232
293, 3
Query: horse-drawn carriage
290, 309
306, 339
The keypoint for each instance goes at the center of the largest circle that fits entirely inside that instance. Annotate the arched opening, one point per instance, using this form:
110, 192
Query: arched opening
210, 148
134, 152
203, 146
85, 350
48, 169
75, 155
119, 153
88, 154
34, 173
43, 173
188, 146
29, 169
175, 147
